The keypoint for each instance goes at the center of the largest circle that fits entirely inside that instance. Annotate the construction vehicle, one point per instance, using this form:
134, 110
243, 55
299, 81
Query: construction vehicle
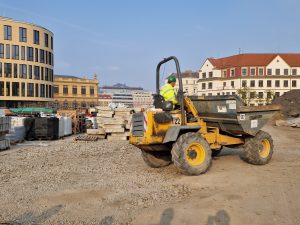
199, 128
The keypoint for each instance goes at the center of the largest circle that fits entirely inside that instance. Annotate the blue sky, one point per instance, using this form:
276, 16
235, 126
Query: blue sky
122, 41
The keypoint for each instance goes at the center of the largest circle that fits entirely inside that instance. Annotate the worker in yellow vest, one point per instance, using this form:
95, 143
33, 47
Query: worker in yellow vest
168, 91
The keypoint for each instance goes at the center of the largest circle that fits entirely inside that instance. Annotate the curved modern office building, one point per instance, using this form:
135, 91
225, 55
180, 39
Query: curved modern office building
26, 64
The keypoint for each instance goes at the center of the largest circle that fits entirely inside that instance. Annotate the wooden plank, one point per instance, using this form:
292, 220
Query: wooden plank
114, 138
95, 131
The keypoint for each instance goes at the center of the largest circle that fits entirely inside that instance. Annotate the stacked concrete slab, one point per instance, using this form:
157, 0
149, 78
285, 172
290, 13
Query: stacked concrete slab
5, 124
112, 124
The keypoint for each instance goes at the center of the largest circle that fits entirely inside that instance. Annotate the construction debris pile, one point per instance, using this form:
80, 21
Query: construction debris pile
290, 109
112, 124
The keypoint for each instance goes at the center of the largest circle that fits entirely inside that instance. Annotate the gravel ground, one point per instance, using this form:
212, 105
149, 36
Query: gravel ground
105, 183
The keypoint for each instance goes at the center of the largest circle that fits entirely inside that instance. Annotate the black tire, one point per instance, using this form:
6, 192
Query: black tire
191, 154
156, 159
258, 150
216, 152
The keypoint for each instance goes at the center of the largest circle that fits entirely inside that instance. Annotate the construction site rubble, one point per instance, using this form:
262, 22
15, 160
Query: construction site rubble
290, 109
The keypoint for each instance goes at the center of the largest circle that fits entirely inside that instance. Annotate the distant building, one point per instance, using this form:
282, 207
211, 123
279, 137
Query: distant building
26, 64
262, 75
142, 99
104, 99
74, 92
129, 96
189, 82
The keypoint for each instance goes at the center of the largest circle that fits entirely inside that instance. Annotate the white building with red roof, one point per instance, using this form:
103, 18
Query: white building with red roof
262, 75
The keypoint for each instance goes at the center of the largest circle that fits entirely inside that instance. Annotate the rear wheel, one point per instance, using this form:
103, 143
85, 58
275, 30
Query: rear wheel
258, 150
156, 159
191, 154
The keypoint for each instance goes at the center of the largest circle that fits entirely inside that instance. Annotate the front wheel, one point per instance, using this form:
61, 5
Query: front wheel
258, 150
191, 154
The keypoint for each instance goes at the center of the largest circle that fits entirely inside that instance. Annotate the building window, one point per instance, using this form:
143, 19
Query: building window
269, 95
294, 83
244, 71
15, 52
260, 71
36, 37
232, 72
42, 56
186, 82
22, 34
74, 90
36, 54
277, 83
286, 71
22, 52
55, 89
203, 75
51, 43
65, 89
42, 93
260, 83
7, 69
36, 90
269, 83
92, 91
42, 73
1, 51
83, 104
15, 70
232, 84
7, 46
0, 69
23, 71
29, 54
46, 40
269, 72
7, 32
285, 83
233, 93
244, 83
83, 90
252, 71
294, 71
224, 84
252, 94
15, 88
260, 94
30, 71
277, 72
203, 86
252, 83
30, 91
210, 74
7, 88
224, 73
277, 94
210, 85
36, 72
1, 88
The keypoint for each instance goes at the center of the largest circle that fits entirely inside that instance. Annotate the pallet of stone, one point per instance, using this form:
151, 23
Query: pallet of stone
4, 144
114, 130
101, 121
103, 108
98, 131
105, 114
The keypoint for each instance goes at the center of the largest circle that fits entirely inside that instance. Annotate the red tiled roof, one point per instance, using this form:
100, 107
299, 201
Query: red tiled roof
292, 60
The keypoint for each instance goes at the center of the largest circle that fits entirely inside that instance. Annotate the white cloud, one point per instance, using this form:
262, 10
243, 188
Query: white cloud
113, 68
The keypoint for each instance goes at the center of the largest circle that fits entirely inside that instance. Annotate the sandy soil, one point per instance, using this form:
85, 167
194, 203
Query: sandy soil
108, 183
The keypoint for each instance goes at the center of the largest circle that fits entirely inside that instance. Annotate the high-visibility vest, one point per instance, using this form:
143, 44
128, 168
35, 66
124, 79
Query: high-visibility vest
168, 93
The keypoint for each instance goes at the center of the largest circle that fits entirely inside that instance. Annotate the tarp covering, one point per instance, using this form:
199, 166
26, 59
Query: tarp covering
32, 110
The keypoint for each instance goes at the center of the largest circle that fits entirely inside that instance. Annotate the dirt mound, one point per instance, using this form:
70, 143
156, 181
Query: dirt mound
290, 103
